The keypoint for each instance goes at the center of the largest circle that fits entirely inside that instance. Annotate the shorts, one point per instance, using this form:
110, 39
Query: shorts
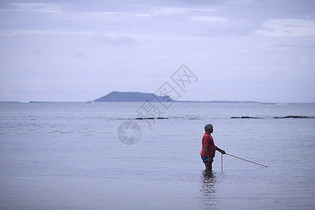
206, 159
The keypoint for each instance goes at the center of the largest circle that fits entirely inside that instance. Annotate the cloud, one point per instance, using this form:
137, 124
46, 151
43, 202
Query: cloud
37, 7
209, 18
287, 27
180, 11
142, 15
41, 33
113, 40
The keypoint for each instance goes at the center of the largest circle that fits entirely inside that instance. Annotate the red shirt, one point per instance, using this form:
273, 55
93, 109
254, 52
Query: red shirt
207, 141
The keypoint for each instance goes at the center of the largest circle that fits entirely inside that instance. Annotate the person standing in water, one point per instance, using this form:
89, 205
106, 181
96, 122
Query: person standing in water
208, 148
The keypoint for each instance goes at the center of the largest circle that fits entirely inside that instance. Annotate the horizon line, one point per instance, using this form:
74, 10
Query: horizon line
177, 101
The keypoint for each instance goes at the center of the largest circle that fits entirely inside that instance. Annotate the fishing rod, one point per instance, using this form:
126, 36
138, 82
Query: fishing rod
240, 159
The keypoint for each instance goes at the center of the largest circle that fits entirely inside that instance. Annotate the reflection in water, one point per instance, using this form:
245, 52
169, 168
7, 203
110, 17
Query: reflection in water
208, 182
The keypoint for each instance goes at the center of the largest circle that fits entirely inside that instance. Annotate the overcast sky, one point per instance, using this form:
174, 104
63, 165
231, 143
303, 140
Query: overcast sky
81, 50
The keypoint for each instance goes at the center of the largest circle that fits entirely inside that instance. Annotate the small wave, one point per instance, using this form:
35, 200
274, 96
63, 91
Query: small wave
193, 118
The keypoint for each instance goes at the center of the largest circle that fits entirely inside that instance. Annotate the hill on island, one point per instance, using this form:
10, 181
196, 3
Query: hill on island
117, 96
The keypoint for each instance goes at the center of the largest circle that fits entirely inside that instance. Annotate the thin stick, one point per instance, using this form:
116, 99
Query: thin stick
221, 162
246, 160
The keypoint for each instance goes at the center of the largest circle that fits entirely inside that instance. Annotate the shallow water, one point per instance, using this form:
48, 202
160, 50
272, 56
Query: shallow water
68, 156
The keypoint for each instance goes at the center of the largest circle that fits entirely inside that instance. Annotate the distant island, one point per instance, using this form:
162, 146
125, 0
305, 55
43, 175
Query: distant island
117, 96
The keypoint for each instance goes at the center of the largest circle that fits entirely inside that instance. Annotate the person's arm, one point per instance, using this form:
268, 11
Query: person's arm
220, 150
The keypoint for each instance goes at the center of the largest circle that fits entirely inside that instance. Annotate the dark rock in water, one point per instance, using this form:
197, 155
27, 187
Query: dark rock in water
116, 96
151, 118
285, 117
245, 117
292, 116
145, 118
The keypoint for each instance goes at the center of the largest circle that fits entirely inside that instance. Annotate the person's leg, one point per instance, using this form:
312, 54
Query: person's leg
204, 160
208, 165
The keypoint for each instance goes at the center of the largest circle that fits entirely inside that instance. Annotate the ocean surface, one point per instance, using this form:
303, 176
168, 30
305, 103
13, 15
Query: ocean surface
85, 156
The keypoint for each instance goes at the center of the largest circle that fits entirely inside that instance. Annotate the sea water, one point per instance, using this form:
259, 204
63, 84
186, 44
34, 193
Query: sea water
70, 156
